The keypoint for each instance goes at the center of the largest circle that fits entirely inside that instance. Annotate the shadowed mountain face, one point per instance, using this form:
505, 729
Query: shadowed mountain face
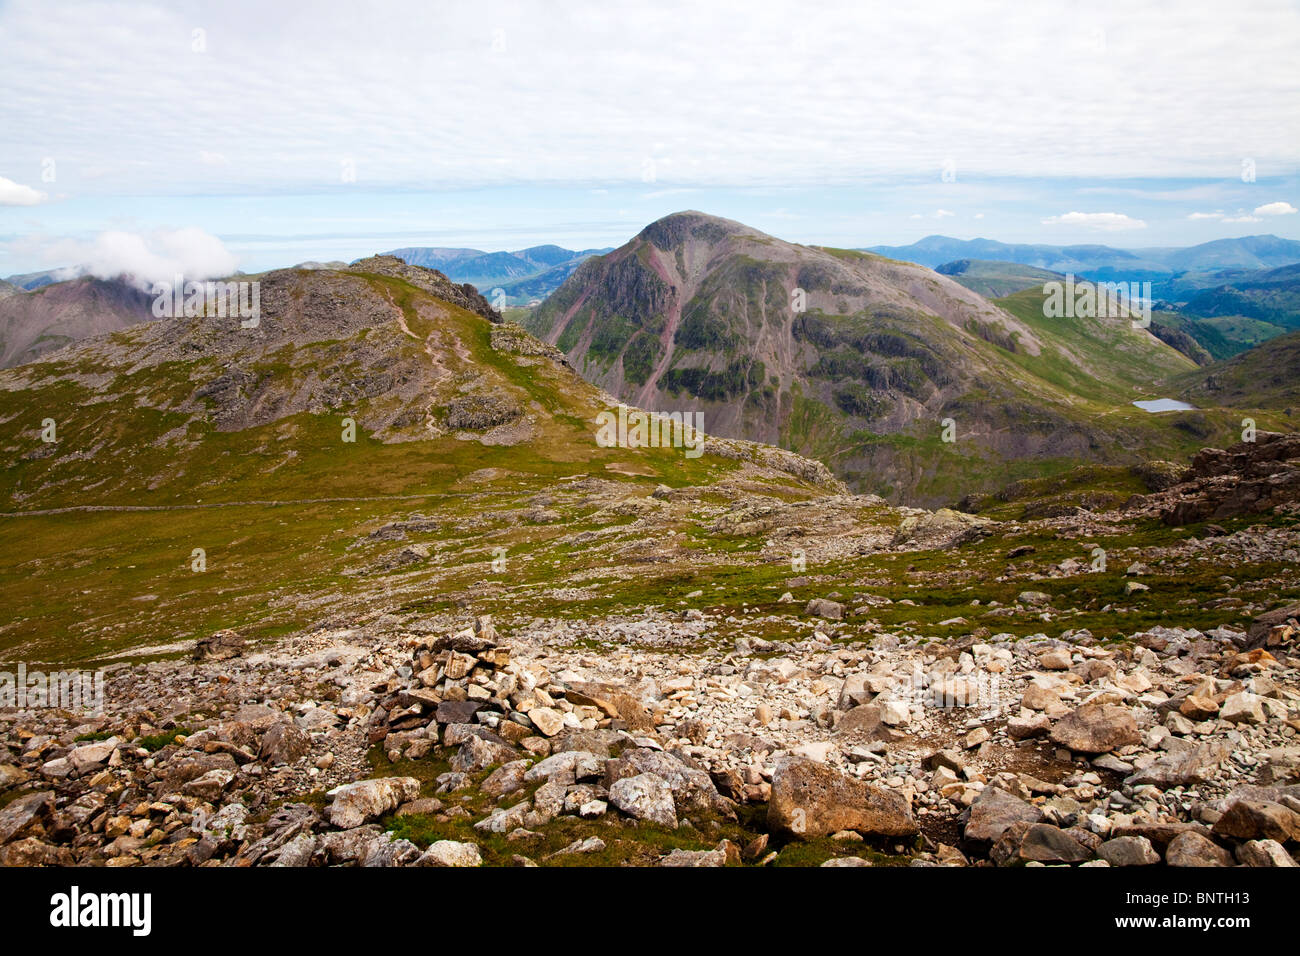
34, 323
852, 358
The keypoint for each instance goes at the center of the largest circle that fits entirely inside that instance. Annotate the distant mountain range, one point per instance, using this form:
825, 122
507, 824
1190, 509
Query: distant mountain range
1223, 311
28, 281
526, 276
1106, 262
698, 313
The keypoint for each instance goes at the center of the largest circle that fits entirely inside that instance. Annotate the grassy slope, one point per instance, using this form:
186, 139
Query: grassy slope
83, 585
993, 279
1263, 382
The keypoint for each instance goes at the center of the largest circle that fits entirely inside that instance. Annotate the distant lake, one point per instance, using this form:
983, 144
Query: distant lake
1164, 405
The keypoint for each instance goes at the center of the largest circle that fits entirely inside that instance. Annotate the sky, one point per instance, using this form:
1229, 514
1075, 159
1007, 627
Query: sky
196, 134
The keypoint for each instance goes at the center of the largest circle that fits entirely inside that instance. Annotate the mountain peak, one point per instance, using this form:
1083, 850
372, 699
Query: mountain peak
674, 229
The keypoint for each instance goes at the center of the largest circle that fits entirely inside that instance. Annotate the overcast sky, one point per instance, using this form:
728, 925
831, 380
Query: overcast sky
330, 130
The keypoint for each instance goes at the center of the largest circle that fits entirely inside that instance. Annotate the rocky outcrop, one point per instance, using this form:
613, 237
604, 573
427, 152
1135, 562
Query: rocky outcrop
431, 281
1248, 478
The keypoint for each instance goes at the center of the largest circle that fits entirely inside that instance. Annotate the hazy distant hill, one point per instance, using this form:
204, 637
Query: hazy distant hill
35, 280
1271, 295
524, 275
1104, 262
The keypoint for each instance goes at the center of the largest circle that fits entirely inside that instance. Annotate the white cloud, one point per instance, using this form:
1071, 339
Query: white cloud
577, 97
16, 194
156, 256
943, 214
1099, 221
1276, 209
1268, 209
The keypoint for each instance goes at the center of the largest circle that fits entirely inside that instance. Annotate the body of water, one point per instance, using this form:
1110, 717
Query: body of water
1164, 405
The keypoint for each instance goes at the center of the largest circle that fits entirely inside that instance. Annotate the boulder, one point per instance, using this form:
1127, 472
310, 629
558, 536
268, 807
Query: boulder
92, 756
351, 845
693, 789
940, 529
1056, 659
863, 722
1022, 728
1048, 844
505, 779
1264, 623
1182, 767
34, 852
1264, 853
575, 764
457, 711
1257, 820
21, 814
1096, 728
994, 810
450, 853
1197, 706
389, 851
11, 776
284, 743
547, 720
821, 607
811, 800
1128, 851
221, 646
1039, 697
356, 803
1192, 849
646, 796
210, 786
1243, 708
477, 754
720, 855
